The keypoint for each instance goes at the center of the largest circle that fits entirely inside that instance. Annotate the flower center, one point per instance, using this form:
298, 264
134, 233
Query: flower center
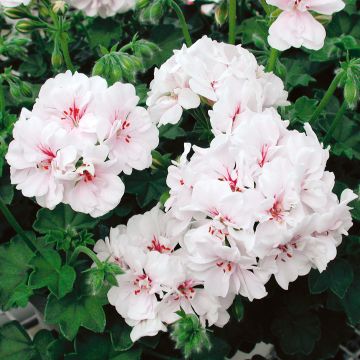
186, 290
277, 211
73, 115
142, 283
157, 246
226, 266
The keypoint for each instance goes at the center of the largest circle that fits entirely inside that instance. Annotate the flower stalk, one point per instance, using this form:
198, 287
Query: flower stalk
272, 60
184, 27
232, 21
2, 98
339, 115
86, 251
327, 96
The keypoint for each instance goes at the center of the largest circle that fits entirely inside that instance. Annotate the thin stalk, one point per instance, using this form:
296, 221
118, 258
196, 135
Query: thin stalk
232, 21
16, 226
340, 113
2, 98
182, 20
272, 60
126, 47
65, 51
266, 7
86, 251
327, 96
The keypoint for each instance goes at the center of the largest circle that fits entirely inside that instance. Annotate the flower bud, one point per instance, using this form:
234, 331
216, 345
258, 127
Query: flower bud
60, 7
16, 13
43, 11
140, 4
26, 26
15, 90
98, 68
25, 89
153, 13
221, 13
189, 336
145, 49
351, 92
56, 58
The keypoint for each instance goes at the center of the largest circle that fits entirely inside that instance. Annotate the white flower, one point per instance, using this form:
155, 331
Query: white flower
296, 27
14, 3
40, 157
126, 128
170, 94
103, 8
67, 99
98, 189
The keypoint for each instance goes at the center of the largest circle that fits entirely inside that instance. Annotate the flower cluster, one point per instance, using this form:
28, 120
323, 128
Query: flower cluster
222, 75
78, 137
157, 281
257, 202
296, 27
103, 8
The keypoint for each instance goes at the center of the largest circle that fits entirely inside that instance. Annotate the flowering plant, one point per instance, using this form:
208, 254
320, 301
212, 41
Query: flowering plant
191, 186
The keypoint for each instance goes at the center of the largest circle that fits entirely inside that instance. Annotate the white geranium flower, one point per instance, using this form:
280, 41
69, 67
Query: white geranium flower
41, 159
125, 127
296, 27
97, 189
103, 8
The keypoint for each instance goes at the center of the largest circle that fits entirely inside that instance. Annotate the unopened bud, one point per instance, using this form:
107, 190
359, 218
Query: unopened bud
221, 13
16, 13
153, 13
60, 7
56, 58
26, 26
140, 4
25, 89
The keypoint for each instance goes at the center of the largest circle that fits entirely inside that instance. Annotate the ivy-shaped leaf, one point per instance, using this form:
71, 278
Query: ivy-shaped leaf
297, 333
15, 258
62, 218
147, 186
78, 308
49, 271
351, 300
120, 336
337, 277
15, 343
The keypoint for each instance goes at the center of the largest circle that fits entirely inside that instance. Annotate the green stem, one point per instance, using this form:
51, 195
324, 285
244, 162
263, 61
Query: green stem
126, 47
340, 113
182, 20
2, 98
16, 226
65, 51
232, 21
272, 60
86, 251
327, 96
266, 7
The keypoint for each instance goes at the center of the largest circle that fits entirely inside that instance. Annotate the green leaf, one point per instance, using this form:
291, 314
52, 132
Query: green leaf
219, 349
297, 72
297, 333
74, 310
6, 191
147, 186
328, 52
104, 32
304, 108
351, 300
15, 258
62, 218
49, 271
337, 277
120, 336
99, 347
237, 308
15, 343
42, 340
171, 132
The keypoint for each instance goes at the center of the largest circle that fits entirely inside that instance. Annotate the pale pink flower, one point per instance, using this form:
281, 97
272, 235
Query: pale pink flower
296, 27
125, 127
103, 8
